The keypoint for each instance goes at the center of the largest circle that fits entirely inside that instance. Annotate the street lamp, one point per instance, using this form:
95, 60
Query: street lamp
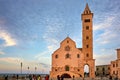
35, 69
21, 67
28, 69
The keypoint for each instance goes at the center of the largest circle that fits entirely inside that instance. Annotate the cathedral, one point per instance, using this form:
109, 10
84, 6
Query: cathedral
69, 61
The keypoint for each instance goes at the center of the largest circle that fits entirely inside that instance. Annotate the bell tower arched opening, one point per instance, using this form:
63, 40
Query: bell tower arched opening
86, 71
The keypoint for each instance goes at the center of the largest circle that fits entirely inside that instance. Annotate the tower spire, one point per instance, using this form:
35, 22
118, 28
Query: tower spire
87, 10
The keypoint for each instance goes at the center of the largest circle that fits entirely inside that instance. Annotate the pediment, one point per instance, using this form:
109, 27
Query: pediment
68, 41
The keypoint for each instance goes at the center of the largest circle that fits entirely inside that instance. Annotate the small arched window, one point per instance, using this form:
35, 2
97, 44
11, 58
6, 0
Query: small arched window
103, 69
87, 37
87, 46
87, 55
117, 72
113, 65
97, 69
66, 68
55, 69
113, 72
78, 55
67, 55
56, 56
87, 27
67, 41
116, 65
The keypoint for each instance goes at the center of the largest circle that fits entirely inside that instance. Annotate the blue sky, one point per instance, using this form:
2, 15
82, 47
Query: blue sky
30, 31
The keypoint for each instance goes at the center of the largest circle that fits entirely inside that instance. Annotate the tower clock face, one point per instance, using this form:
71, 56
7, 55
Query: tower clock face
67, 48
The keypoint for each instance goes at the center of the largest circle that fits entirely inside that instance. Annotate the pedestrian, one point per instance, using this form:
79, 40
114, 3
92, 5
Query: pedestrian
17, 76
47, 77
30, 77
116, 78
73, 77
6, 77
110, 78
62, 77
34, 77
58, 77
39, 77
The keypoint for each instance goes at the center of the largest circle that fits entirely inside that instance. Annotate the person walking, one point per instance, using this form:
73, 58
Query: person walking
58, 77
110, 78
39, 77
6, 77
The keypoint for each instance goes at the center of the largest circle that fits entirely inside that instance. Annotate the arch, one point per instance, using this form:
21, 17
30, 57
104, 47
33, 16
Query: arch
86, 70
65, 75
67, 55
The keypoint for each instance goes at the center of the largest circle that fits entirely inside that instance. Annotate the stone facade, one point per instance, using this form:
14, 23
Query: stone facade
115, 65
68, 60
112, 69
102, 70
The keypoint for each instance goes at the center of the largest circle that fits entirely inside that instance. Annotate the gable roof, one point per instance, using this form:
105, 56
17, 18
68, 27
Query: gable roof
67, 39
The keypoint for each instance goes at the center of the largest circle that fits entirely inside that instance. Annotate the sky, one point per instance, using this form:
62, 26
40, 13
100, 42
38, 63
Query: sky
30, 31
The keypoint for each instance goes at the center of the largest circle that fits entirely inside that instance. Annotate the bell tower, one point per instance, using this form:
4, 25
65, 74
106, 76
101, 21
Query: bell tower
87, 33
87, 40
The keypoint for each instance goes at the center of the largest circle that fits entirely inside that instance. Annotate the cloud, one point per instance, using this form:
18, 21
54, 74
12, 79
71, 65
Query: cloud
44, 65
11, 60
14, 65
43, 57
104, 24
2, 21
106, 37
52, 44
53, 27
5, 35
44, 61
9, 41
106, 31
105, 58
1, 53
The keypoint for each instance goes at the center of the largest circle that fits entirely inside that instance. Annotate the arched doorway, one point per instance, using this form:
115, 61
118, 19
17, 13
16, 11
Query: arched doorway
86, 71
65, 75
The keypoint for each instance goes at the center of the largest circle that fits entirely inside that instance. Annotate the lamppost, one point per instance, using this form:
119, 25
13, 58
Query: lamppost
35, 69
21, 67
28, 69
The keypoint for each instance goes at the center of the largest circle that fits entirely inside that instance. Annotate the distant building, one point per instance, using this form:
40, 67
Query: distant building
115, 65
102, 70
68, 60
112, 69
